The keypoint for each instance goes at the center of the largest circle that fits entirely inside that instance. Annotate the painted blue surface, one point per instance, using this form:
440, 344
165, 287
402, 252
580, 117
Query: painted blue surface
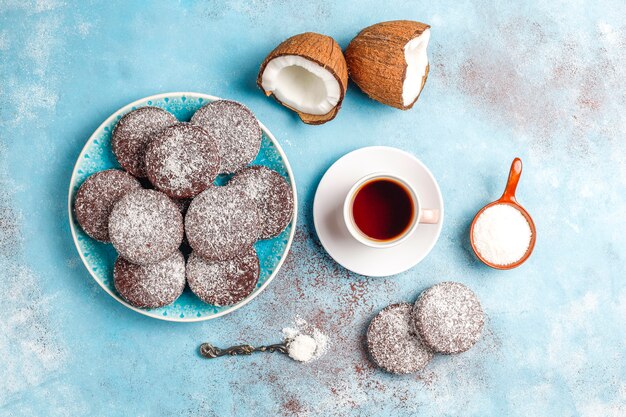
540, 80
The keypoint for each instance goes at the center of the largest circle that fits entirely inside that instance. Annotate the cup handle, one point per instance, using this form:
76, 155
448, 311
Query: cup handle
429, 216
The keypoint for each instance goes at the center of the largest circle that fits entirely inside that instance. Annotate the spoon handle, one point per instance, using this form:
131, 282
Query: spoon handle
209, 351
511, 184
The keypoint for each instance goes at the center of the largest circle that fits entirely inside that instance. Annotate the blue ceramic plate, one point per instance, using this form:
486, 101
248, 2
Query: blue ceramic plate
99, 257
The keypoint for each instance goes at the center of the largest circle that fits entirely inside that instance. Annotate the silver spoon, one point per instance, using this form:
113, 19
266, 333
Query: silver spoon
209, 351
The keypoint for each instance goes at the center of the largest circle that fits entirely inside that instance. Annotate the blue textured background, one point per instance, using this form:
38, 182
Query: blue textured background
541, 80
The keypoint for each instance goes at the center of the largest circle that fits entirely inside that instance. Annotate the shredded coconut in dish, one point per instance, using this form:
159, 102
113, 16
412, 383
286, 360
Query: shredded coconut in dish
502, 234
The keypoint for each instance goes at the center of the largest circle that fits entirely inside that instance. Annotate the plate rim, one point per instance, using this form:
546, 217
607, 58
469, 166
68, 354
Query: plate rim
92, 137
426, 169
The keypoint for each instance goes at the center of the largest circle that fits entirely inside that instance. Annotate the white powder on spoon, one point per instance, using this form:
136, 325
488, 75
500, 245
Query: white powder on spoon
305, 347
302, 348
502, 234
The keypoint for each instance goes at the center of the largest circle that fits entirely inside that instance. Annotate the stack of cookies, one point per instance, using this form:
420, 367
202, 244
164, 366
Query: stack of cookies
446, 319
169, 223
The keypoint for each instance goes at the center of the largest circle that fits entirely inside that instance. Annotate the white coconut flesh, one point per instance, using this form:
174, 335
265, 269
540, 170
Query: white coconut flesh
301, 84
416, 62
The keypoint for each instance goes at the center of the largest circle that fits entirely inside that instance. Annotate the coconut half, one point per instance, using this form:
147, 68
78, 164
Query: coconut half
389, 62
308, 74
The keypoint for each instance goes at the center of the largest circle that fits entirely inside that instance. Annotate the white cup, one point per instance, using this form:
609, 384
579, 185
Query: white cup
420, 215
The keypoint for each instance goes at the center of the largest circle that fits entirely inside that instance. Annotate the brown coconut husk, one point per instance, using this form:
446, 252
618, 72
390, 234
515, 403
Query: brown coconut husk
376, 61
324, 51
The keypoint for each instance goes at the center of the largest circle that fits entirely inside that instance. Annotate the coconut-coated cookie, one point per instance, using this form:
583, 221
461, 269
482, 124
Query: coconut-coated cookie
182, 204
97, 196
236, 130
223, 283
133, 133
145, 227
448, 318
182, 160
221, 223
272, 194
392, 342
150, 286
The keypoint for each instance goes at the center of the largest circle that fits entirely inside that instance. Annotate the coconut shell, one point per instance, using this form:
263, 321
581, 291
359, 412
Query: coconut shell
376, 60
324, 51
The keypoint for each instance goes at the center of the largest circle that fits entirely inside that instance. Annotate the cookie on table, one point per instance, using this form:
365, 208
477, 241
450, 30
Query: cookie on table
272, 194
150, 286
97, 196
132, 134
223, 283
236, 130
448, 318
182, 160
392, 342
145, 227
221, 223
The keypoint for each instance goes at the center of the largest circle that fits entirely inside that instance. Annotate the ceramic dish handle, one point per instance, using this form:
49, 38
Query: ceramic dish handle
511, 184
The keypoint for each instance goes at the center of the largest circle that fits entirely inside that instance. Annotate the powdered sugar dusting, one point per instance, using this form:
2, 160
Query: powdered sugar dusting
134, 132
182, 160
145, 226
236, 130
302, 348
32, 344
222, 222
273, 196
302, 328
223, 282
4, 41
393, 343
97, 196
28, 337
150, 286
449, 318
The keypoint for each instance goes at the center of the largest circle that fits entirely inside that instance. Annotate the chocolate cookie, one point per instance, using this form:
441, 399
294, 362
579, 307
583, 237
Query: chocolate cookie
183, 205
392, 342
97, 196
223, 283
150, 286
448, 317
235, 129
272, 194
133, 132
182, 160
145, 227
222, 222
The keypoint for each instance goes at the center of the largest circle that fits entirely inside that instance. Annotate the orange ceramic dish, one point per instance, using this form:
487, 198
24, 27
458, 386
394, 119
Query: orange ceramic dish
508, 198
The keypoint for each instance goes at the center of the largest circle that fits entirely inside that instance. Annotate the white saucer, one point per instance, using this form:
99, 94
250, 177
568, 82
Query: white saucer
332, 231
